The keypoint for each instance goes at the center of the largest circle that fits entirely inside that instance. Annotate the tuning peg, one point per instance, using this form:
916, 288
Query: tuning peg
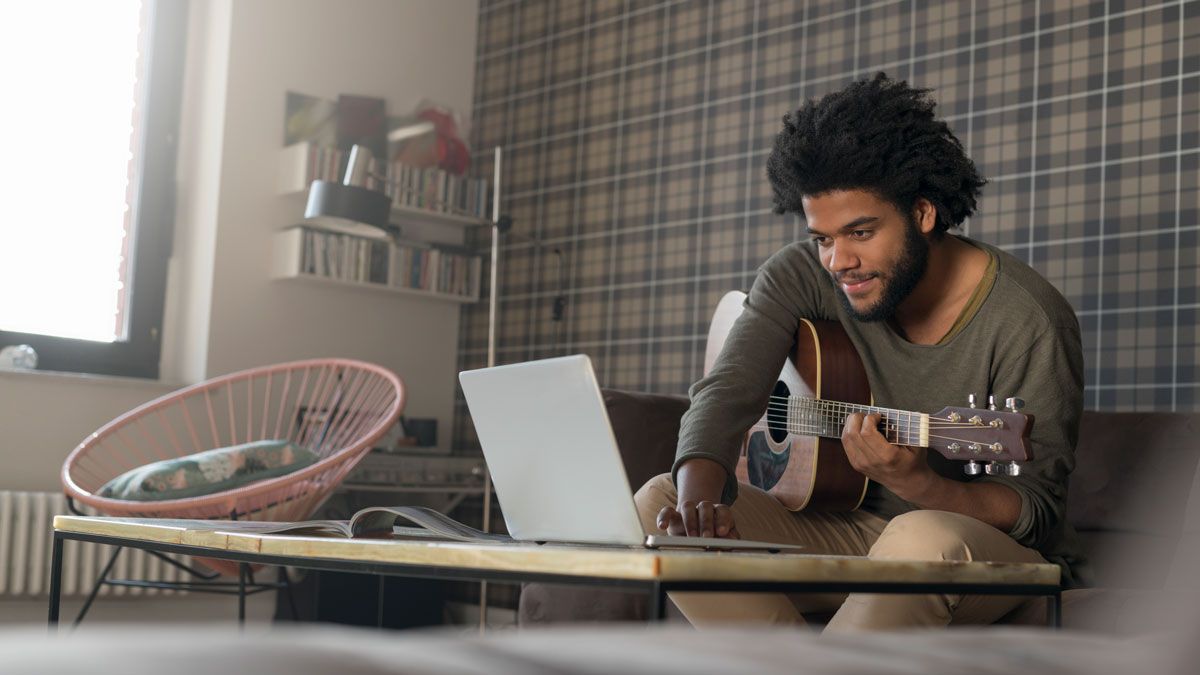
970, 400
993, 468
1012, 469
1014, 404
972, 468
991, 402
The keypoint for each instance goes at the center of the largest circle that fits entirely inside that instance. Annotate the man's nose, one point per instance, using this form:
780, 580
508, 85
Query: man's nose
839, 259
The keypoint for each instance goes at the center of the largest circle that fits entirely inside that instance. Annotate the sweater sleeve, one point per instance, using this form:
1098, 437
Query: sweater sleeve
1049, 377
734, 394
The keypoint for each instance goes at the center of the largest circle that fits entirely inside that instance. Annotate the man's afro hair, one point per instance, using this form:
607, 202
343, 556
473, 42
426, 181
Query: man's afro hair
878, 135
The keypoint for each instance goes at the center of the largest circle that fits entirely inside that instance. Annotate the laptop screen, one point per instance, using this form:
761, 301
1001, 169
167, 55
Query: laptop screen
551, 451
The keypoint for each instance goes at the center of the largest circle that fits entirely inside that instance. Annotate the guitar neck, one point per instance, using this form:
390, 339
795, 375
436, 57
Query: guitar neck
818, 417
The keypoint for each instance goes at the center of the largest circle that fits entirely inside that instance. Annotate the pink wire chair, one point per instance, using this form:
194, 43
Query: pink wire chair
335, 407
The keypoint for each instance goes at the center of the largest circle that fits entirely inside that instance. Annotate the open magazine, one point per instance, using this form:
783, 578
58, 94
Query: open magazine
378, 522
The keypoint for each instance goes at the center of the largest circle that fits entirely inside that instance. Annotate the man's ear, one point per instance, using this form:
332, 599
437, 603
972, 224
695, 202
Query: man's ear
925, 215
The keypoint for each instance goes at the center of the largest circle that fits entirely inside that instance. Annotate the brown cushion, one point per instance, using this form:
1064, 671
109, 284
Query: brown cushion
1108, 610
555, 603
646, 427
1133, 471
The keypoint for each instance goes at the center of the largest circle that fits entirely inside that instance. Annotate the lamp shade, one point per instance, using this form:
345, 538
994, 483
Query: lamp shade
348, 203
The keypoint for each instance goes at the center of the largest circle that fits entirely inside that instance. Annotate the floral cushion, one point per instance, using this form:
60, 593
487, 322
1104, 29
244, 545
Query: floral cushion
209, 472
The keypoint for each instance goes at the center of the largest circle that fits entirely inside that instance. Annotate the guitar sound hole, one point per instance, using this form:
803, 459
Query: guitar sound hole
777, 412
764, 467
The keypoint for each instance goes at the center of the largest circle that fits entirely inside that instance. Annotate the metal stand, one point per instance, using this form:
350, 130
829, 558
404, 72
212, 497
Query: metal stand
491, 361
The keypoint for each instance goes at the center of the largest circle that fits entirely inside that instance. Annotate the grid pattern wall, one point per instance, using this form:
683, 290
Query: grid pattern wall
636, 133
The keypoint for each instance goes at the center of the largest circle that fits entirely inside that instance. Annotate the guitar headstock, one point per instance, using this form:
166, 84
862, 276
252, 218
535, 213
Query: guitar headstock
981, 434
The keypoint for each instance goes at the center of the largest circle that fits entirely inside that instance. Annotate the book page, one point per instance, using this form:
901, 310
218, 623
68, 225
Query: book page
380, 521
338, 527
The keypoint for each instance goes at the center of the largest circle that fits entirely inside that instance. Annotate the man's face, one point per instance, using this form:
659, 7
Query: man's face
875, 253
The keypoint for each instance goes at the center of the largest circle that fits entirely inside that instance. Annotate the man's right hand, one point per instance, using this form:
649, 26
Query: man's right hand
698, 511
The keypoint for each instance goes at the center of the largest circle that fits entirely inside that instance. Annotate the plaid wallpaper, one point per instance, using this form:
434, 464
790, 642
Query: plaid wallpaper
636, 133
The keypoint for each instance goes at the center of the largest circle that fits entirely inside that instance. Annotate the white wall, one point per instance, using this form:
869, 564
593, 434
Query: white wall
399, 51
223, 311
186, 319
43, 416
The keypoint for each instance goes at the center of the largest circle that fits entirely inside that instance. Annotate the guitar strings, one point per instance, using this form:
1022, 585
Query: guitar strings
821, 405
936, 422
775, 402
812, 399
800, 432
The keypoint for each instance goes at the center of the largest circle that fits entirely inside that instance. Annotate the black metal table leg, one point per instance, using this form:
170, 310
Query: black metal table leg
379, 602
242, 570
657, 609
100, 581
286, 580
1054, 610
56, 580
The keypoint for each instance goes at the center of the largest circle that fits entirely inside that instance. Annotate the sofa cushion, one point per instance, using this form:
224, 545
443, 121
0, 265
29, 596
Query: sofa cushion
1128, 559
556, 603
646, 427
1133, 472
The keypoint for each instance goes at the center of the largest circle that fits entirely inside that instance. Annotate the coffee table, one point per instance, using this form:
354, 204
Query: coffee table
656, 572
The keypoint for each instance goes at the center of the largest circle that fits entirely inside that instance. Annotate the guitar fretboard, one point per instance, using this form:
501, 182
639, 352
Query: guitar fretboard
818, 417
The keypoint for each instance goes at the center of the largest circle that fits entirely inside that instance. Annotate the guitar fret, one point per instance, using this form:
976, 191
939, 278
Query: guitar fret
817, 417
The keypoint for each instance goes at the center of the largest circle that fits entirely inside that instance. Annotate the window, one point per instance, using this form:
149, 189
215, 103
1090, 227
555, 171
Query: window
88, 172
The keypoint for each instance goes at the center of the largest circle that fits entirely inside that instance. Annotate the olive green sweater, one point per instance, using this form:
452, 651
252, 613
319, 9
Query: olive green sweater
1022, 341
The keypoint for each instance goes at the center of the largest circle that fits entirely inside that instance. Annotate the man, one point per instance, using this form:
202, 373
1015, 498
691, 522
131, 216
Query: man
935, 317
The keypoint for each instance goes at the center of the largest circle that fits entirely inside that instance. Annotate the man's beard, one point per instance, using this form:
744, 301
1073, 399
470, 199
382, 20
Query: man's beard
900, 282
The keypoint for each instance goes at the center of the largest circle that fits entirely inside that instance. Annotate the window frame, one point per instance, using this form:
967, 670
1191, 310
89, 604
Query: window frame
154, 219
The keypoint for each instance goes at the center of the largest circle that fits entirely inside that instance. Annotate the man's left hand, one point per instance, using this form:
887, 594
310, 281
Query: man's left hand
900, 468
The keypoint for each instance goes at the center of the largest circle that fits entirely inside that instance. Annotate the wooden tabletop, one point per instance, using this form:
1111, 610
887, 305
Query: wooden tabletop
591, 561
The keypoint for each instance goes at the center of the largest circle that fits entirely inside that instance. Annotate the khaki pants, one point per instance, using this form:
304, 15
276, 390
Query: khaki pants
917, 535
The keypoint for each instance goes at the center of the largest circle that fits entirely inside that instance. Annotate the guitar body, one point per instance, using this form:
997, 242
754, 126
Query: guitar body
802, 472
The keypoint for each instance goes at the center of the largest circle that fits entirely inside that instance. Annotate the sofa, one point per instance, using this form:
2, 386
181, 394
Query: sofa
1127, 498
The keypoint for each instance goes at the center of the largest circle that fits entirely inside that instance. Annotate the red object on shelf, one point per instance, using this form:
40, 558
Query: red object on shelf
444, 148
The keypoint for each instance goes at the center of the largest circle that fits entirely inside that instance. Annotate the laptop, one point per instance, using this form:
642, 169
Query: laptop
554, 461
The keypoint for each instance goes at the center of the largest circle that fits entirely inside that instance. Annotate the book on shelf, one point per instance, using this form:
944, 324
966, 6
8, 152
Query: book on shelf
343, 257
302, 163
330, 254
373, 522
440, 270
424, 188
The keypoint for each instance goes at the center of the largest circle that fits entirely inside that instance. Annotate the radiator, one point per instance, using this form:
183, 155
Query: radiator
26, 539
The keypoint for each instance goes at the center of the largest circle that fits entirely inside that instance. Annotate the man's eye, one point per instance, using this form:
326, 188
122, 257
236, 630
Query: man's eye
821, 241
860, 234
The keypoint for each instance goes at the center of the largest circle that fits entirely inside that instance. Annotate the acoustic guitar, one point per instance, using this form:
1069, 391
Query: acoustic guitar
794, 452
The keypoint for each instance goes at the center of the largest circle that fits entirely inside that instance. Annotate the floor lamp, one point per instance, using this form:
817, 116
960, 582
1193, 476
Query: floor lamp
351, 204
500, 224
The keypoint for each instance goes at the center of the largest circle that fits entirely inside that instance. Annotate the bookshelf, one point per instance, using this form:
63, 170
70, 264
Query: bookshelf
416, 192
343, 254
317, 255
